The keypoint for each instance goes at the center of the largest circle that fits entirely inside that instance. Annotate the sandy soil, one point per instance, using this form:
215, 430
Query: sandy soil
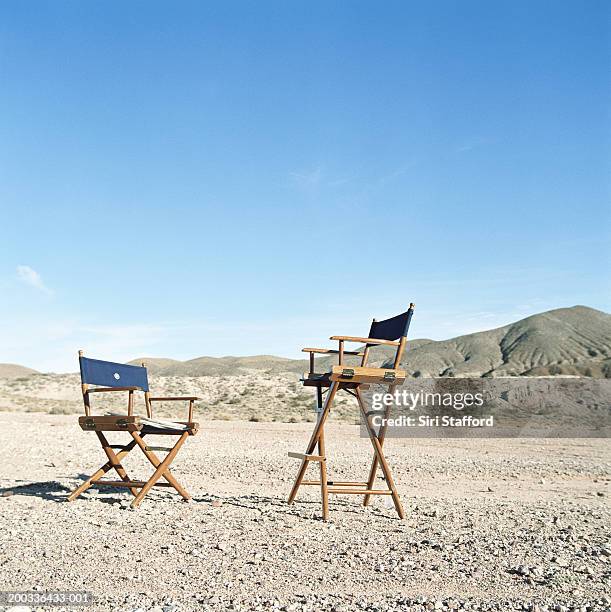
492, 524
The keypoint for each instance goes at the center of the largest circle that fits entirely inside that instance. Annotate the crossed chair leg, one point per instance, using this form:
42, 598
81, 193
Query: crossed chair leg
317, 441
138, 488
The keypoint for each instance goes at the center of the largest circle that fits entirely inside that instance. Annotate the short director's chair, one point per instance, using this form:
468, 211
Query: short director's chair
354, 380
107, 377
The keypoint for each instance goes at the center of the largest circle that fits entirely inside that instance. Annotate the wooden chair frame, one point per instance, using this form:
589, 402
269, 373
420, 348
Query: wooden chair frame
352, 380
138, 430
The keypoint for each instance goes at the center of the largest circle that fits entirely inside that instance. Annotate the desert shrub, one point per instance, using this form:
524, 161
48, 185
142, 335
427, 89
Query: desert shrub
63, 409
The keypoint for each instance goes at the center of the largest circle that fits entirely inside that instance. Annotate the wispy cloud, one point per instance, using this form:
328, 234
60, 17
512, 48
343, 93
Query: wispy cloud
30, 277
397, 172
474, 143
307, 180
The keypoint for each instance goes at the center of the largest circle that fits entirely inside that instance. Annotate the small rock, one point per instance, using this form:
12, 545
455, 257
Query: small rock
7, 493
217, 503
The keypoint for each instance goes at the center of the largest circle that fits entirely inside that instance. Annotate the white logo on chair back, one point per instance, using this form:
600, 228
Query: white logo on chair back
117, 375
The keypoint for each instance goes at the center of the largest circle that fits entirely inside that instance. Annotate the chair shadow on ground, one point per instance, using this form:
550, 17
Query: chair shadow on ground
52, 490
308, 509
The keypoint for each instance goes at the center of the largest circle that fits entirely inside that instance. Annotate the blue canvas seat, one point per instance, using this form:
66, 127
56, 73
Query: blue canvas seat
99, 376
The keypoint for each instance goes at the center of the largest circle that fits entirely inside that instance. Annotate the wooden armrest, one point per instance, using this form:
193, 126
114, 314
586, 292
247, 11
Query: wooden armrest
358, 374
329, 351
366, 340
173, 399
110, 423
105, 389
189, 399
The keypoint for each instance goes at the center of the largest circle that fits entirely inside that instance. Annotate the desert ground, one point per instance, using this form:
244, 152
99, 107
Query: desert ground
491, 524
254, 395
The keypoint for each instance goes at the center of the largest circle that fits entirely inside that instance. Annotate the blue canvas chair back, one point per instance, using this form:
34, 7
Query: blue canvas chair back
110, 374
393, 328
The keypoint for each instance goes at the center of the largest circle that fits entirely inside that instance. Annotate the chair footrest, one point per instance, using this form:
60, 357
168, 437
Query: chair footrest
346, 491
305, 457
335, 483
129, 484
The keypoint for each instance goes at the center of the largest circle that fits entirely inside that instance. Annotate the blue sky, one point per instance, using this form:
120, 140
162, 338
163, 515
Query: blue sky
184, 178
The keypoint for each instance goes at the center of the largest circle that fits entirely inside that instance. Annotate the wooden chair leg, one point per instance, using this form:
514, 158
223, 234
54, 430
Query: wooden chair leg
105, 468
324, 492
374, 461
156, 462
115, 462
160, 471
381, 458
314, 440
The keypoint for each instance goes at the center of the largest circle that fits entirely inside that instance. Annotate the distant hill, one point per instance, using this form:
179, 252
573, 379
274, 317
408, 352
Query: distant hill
566, 341
574, 341
226, 366
11, 370
569, 341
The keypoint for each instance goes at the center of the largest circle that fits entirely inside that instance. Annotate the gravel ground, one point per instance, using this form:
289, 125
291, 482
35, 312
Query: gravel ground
491, 524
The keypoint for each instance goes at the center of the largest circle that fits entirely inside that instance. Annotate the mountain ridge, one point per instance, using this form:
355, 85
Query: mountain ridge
565, 341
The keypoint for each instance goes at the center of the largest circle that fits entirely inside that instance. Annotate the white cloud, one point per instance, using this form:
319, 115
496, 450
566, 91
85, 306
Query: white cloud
30, 277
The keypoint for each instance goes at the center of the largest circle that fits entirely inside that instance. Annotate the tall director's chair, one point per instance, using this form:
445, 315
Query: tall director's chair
354, 380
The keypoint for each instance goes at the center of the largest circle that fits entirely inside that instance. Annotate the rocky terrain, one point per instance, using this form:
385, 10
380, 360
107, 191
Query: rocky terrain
491, 524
